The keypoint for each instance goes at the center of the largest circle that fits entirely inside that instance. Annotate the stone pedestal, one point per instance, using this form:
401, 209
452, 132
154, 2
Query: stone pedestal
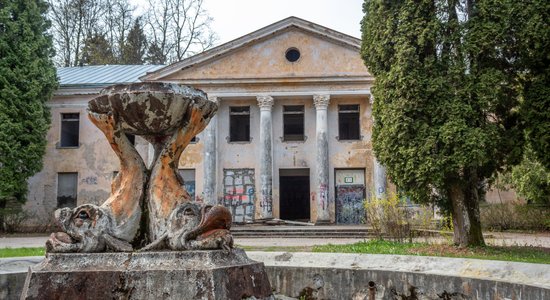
214, 274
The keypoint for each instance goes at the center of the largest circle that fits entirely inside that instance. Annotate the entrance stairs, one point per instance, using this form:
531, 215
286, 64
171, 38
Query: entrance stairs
293, 231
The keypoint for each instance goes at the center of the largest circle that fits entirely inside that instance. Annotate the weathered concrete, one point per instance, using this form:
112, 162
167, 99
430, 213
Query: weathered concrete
266, 157
12, 275
154, 275
379, 175
210, 159
322, 162
354, 276
348, 276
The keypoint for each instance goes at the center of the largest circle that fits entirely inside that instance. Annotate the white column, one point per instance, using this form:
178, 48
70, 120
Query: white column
266, 157
379, 171
322, 160
210, 159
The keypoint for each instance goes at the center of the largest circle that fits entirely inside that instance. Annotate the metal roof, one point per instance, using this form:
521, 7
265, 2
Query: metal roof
103, 75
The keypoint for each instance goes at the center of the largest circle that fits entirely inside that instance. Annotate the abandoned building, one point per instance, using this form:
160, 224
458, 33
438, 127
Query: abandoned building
291, 139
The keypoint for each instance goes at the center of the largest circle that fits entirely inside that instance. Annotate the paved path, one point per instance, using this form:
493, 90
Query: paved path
493, 238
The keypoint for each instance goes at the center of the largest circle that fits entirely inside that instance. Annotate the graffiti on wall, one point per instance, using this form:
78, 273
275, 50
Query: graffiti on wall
239, 193
92, 180
323, 196
349, 204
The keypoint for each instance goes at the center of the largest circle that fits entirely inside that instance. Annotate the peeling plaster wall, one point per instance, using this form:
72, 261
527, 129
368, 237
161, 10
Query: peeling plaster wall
267, 59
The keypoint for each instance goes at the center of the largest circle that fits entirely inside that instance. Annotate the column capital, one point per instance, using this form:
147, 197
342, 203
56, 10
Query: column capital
214, 99
321, 101
265, 102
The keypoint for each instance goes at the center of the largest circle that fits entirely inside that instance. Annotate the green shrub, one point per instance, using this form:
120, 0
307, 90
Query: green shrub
390, 217
515, 216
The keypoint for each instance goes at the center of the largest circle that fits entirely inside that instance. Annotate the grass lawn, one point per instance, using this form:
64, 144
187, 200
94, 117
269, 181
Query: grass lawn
15, 252
514, 253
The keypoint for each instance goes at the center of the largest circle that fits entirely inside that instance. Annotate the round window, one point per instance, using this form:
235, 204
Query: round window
292, 54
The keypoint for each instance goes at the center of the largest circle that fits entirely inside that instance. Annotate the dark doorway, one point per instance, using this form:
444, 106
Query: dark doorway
294, 194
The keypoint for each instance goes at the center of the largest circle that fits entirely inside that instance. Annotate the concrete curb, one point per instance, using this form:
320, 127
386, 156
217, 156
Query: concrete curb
349, 276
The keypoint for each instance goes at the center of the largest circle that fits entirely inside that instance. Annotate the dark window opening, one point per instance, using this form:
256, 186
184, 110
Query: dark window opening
292, 54
348, 122
293, 122
239, 124
69, 130
66, 189
194, 139
131, 138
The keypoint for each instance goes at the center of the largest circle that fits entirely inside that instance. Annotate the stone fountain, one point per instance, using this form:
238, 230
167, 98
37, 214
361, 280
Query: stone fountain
149, 239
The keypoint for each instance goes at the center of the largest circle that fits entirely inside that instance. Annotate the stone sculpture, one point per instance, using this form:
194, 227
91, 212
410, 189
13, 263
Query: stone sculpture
147, 207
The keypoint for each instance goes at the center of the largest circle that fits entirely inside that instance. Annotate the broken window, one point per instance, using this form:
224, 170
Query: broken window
131, 138
239, 124
188, 176
69, 129
66, 189
348, 122
293, 122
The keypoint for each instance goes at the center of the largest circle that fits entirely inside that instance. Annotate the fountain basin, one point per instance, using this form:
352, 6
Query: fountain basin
152, 108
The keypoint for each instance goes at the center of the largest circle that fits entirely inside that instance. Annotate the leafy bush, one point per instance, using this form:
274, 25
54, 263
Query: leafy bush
515, 216
12, 219
390, 217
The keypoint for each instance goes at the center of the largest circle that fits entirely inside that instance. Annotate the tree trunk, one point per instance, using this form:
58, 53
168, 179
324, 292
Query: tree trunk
465, 211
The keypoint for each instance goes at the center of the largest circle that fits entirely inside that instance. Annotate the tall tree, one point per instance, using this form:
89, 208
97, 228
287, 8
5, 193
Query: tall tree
97, 51
117, 21
135, 46
532, 40
74, 21
445, 100
178, 28
27, 82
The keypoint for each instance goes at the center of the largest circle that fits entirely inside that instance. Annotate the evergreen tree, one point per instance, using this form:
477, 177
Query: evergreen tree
445, 100
97, 51
532, 41
155, 55
27, 82
135, 46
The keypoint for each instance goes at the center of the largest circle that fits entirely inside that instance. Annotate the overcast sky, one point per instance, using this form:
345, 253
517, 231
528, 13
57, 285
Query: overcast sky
235, 18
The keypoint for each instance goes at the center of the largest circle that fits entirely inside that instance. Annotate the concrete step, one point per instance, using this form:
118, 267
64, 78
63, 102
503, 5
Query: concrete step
300, 231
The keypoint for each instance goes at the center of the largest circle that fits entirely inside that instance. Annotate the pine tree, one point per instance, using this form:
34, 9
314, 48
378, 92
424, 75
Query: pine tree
155, 55
97, 51
27, 82
135, 46
445, 100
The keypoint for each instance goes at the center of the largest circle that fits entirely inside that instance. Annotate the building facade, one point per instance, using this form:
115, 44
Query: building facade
291, 139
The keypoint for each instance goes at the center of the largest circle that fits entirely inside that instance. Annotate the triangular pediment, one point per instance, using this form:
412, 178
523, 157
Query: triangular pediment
260, 55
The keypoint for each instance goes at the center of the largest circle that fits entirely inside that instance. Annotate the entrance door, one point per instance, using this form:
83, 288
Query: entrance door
294, 194
350, 194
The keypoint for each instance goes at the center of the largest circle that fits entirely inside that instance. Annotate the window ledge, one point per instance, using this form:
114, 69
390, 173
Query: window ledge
57, 146
349, 140
238, 142
293, 141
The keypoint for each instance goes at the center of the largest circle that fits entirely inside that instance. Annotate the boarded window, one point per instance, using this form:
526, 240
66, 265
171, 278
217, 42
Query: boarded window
66, 189
69, 129
239, 124
348, 122
293, 122
188, 176
239, 194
